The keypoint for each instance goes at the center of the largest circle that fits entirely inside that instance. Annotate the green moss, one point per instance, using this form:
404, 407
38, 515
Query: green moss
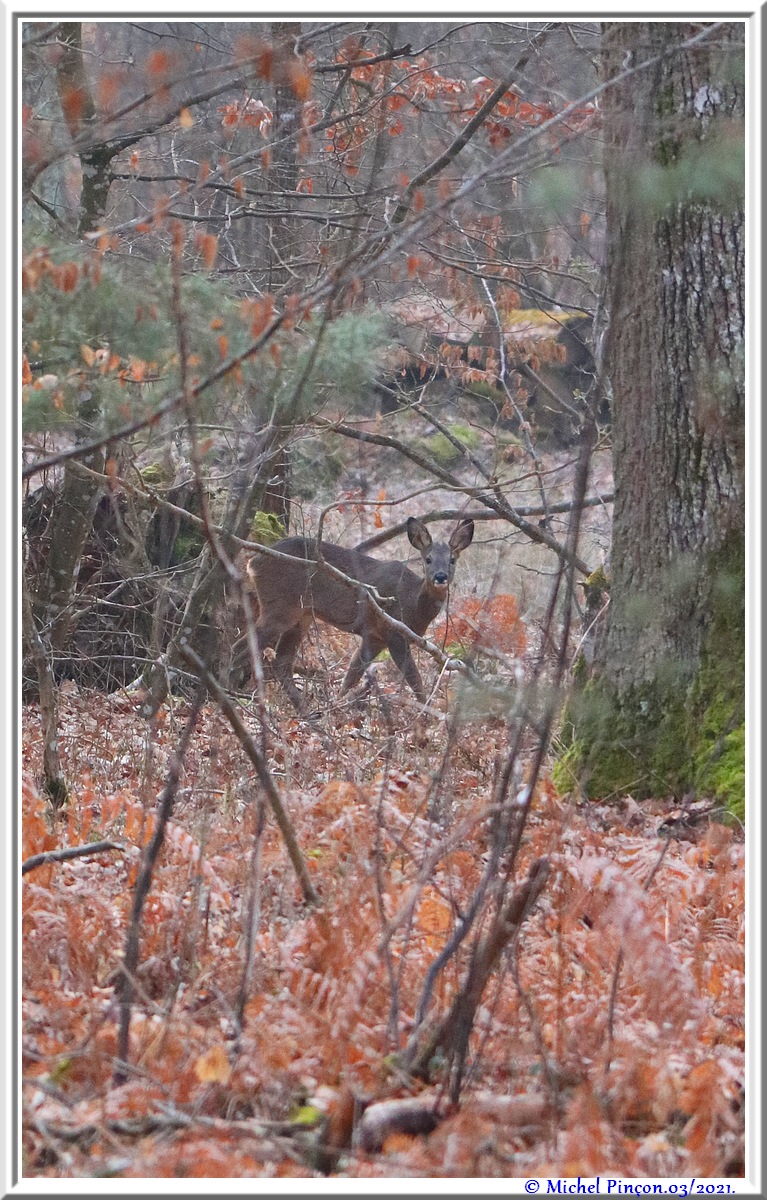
580, 671
482, 390
155, 474
722, 772
187, 546
718, 697
678, 733
456, 650
634, 745
653, 743
267, 528
442, 450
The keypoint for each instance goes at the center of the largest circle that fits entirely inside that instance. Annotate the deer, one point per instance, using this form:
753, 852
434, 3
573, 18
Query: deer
290, 595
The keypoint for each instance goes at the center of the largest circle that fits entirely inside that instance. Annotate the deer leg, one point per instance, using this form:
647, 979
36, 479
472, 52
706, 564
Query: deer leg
361, 661
399, 649
268, 635
285, 653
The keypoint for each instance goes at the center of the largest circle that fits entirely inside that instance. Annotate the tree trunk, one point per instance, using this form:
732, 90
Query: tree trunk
664, 713
285, 239
79, 110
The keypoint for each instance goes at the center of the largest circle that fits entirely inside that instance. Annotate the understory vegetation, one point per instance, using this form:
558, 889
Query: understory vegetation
609, 1040
434, 331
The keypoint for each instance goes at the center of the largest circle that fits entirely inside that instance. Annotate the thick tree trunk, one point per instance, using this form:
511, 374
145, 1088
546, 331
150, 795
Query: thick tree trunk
666, 709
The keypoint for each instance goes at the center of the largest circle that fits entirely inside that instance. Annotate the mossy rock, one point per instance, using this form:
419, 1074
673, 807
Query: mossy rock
267, 528
443, 451
156, 475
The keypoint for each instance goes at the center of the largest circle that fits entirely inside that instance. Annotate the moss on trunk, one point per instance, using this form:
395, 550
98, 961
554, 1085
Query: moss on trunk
677, 733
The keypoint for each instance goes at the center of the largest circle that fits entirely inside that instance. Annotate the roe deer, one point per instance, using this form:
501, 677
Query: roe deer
289, 597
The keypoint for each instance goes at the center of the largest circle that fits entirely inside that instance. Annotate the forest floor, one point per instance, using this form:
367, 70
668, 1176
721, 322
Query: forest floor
609, 1041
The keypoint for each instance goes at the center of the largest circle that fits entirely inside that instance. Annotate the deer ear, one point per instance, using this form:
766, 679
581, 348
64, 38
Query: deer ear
418, 534
462, 535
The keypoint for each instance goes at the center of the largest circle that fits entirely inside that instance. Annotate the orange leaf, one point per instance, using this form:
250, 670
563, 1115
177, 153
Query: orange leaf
107, 89
209, 249
263, 61
158, 63
185, 119
213, 1067
261, 314
67, 276
72, 101
300, 79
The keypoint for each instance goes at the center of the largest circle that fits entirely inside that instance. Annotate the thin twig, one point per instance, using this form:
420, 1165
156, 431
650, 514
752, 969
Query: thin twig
262, 771
254, 914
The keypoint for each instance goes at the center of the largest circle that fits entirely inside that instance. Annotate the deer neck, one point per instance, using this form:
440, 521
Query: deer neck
428, 606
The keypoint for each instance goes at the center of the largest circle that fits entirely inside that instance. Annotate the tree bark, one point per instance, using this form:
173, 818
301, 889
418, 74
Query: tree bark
665, 712
80, 113
285, 242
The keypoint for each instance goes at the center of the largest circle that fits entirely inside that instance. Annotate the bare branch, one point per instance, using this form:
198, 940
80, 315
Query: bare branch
69, 852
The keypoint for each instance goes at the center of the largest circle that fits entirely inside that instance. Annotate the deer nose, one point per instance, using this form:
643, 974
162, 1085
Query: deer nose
441, 579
